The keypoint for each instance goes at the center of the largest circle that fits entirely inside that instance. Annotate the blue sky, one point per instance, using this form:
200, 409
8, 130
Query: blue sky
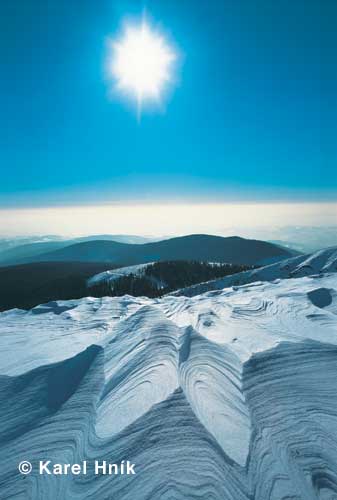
252, 118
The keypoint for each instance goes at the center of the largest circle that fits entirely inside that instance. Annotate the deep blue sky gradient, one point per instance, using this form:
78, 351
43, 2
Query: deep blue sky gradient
253, 117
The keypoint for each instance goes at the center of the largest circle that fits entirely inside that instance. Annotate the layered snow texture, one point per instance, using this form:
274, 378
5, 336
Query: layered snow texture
323, 261
229, 395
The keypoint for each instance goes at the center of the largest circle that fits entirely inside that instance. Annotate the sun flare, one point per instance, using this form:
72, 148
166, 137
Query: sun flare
141, 63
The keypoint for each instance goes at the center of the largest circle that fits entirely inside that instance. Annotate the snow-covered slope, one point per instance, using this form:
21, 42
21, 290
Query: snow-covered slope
114, 274
136, 271
229, 395
323, 261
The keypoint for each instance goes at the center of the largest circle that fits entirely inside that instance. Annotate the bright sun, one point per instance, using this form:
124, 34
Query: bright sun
141, 63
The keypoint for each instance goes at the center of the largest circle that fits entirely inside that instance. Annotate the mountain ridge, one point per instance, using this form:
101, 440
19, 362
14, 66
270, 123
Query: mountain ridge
203, 247
29, 251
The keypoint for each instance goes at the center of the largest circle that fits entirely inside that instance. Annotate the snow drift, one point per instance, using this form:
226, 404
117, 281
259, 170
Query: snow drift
228, 395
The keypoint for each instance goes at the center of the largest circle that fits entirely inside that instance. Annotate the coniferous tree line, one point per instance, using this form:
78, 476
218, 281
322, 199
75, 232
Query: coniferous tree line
160, 278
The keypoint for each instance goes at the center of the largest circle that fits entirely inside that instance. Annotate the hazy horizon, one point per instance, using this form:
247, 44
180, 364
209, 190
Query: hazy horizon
165, 219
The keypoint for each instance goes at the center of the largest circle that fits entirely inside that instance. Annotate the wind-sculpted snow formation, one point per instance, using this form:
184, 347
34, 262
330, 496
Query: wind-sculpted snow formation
229, 395
323, 261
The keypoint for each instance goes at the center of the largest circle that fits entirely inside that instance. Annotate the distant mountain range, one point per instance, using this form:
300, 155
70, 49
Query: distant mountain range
63, 272
25, 286
6, 243
199, 247
28, 249
305, 239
